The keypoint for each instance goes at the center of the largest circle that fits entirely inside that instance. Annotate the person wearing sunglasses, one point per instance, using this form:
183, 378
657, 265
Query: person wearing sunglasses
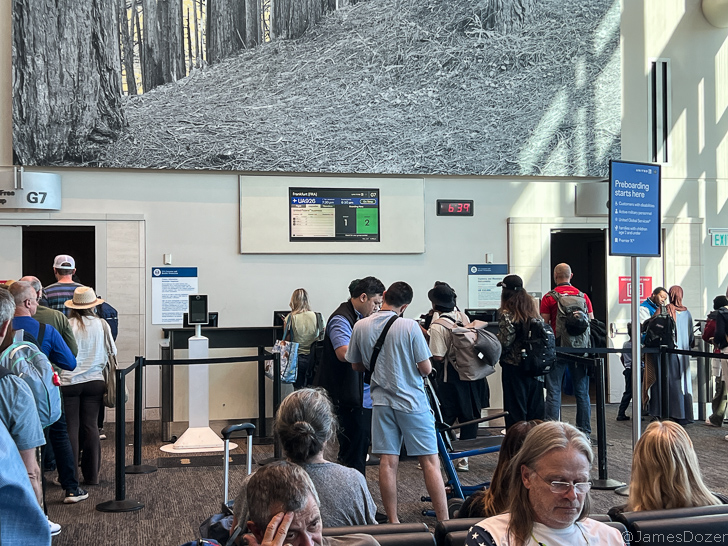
549, 501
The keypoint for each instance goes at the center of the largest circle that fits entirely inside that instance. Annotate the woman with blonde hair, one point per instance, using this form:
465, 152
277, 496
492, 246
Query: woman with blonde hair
303, 326
665, 471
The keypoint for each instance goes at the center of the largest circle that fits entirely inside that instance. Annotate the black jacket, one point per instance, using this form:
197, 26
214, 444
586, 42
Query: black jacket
344, 385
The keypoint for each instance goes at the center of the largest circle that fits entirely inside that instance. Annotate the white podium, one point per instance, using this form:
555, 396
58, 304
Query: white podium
199, 437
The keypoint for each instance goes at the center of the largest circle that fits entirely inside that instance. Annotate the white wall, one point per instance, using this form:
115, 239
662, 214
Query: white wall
246, 288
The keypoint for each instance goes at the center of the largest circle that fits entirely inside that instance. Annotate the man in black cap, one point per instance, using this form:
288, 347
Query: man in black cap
460, 400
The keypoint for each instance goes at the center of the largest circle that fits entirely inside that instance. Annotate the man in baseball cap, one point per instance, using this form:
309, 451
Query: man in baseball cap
56, 294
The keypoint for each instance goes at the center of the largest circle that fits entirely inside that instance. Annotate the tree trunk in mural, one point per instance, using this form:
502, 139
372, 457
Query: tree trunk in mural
151, 47
291, 18
225, 28
252, 23
163, 60
169, 13
503, 15
75, 92
198, 60
127, 44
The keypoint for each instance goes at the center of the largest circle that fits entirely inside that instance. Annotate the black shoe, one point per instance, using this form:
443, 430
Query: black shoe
75, 496
622, 417
380, 518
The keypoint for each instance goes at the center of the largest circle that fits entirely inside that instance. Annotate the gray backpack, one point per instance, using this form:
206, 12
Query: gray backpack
572, 320
473, 351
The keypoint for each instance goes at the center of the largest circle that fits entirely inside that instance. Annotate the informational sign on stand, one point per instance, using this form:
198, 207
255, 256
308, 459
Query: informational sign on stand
634, 213
171, 287
483, 289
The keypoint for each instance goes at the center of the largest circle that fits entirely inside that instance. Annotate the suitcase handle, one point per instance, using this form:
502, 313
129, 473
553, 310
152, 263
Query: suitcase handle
228, 430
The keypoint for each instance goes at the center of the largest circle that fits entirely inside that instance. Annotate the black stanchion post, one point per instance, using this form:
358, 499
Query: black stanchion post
261, 437
603, 482
277, 454
664, 384
261, 393
276, 398
120, 502
137, 467
702, 383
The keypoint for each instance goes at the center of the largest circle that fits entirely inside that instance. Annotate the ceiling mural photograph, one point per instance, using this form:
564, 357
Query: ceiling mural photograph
438, 87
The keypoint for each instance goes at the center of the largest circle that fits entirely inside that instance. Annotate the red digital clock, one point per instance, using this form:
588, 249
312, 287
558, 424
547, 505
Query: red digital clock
453, 207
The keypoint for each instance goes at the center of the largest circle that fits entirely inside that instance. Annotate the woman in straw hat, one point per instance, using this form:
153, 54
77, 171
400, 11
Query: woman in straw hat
83, 388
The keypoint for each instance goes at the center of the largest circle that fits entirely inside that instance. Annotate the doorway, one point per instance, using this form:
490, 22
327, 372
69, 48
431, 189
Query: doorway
585, 251
41, 244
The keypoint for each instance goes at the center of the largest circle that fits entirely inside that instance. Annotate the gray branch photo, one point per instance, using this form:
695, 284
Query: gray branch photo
449, 87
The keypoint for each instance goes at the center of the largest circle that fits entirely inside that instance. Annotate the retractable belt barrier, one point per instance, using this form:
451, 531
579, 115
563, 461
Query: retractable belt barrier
120, 503
576, 354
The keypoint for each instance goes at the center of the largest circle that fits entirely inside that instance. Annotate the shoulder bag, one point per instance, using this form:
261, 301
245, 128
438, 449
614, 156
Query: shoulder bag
377, 348
110, 370
289, 357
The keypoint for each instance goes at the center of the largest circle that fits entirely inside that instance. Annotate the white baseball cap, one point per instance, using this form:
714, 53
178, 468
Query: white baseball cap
64, 261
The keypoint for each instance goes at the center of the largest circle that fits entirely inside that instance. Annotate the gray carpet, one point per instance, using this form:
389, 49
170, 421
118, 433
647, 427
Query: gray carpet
177, 500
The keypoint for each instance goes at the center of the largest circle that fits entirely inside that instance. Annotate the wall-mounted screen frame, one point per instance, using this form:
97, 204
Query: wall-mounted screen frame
265, 215
333, 214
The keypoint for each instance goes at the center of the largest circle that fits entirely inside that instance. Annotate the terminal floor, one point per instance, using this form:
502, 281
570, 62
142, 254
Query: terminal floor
177, 500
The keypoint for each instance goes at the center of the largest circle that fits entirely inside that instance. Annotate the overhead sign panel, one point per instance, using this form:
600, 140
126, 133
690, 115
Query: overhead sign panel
634, 212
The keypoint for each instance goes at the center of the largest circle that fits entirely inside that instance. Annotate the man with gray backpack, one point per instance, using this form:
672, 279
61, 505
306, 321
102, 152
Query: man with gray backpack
568, 310
18, 410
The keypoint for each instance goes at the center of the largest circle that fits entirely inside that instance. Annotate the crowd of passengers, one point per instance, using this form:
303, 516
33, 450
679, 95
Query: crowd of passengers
540, 489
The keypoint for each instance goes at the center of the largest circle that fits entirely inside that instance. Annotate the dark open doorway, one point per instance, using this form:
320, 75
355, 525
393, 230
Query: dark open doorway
585, 251
41, 244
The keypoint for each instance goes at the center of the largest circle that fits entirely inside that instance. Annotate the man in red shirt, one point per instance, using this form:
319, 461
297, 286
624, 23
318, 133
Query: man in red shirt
578, 372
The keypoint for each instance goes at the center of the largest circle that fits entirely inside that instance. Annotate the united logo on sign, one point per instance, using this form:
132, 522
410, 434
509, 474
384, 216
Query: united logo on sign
625, 289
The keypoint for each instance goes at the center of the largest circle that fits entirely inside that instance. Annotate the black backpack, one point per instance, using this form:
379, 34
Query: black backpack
598, 336
111, 316
538, 355
660, 330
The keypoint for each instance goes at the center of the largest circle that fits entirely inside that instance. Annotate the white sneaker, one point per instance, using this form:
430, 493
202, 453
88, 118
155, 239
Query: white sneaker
461, 465
726, 438
54, 527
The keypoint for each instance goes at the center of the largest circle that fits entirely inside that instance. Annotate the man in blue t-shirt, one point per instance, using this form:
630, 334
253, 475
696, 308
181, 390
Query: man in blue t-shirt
400, 409
346, 387
56, 349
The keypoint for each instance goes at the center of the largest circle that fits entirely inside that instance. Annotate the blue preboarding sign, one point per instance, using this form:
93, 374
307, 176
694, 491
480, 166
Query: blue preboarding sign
634, 214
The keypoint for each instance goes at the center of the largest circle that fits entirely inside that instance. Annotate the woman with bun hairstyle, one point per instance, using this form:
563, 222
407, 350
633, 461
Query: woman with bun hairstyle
305, 422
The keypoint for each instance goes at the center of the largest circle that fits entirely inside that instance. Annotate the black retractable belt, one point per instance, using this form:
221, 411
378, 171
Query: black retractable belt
378, 347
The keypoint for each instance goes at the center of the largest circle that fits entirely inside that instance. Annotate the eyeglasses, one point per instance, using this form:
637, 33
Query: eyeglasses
561, 488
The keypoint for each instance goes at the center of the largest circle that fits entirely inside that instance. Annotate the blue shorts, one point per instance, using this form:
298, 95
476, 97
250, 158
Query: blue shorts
390, 427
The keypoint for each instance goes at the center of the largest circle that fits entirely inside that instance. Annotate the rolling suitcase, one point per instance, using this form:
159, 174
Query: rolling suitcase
218, 526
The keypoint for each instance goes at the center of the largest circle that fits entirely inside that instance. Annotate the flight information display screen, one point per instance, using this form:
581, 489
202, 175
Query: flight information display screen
334, 214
